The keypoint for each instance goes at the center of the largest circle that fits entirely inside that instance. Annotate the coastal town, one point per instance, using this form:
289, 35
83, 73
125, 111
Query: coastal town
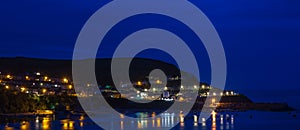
50, 94
38, 85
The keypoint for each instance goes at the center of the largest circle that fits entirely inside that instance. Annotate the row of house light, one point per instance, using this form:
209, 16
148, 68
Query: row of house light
36, 83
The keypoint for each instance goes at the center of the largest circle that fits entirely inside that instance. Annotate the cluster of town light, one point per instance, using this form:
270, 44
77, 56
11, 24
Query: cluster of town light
5, 79
44, 80
195, 87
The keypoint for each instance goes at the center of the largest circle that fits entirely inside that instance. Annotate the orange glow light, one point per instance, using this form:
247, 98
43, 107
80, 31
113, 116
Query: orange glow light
139, 83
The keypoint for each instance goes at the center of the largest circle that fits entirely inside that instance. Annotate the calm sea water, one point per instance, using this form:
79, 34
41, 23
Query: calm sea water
249, 120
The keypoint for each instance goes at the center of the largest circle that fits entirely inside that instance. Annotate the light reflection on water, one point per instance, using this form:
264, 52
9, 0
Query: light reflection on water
144, 121
168, 119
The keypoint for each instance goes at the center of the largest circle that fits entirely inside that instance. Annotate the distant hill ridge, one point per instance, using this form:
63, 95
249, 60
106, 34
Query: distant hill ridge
139, 67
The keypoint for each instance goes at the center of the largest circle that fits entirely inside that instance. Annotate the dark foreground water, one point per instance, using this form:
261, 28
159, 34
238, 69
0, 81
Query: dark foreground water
250, 120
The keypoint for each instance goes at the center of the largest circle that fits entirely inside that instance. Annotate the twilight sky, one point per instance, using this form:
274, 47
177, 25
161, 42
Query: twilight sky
260, 37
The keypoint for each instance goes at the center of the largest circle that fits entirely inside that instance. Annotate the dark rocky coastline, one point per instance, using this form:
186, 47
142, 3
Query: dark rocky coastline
160, 105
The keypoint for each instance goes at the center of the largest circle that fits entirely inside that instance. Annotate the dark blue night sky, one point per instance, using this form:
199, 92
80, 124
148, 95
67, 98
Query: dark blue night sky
260, 37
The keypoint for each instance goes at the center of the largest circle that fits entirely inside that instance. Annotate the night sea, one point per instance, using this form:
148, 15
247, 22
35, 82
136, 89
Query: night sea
227, 120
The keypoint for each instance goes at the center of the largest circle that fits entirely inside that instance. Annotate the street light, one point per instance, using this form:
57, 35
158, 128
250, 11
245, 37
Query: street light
154, 89
65, 80
158, 81
70, 86
27, 77
195, 87
213, 100
44, 90
203, 86
139, 83
45, 78
214, 94
23, 89
182, 87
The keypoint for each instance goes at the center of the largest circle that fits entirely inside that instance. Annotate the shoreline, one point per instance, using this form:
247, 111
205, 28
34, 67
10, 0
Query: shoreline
226, 107
18, 114
22, 114
273, 107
